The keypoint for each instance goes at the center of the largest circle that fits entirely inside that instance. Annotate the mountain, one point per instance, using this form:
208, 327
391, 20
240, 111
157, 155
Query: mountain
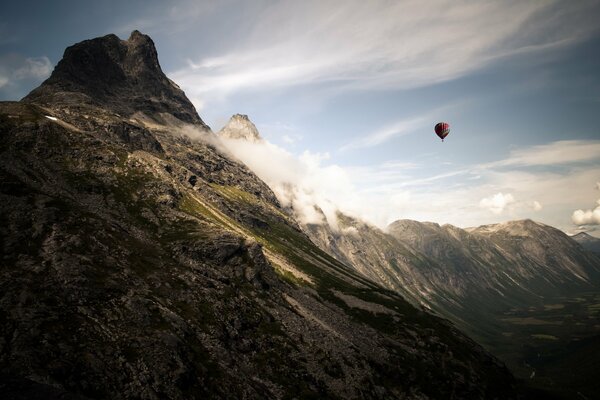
587, 241
525, 290
517, 257
138, 263
240, 127
123, 76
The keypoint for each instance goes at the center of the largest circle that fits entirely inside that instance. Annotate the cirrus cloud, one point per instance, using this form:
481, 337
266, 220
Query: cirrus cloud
368, 45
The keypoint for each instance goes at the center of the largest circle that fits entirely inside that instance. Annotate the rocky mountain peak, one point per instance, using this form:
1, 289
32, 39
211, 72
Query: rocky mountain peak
123, 76
588, 241
240, 127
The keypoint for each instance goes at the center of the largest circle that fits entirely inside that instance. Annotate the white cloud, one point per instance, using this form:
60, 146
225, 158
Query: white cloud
37, 68
536, 205
555, 153
369, 45
299, 182
497, 203
588, 217
15, 68
309, 182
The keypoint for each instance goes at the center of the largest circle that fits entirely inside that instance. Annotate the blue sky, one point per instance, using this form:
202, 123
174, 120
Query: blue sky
349, 91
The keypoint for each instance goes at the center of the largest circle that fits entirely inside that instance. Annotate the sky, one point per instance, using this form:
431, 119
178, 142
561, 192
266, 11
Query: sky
346, 95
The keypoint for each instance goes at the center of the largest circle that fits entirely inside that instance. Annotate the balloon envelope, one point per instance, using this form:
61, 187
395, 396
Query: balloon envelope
442, 129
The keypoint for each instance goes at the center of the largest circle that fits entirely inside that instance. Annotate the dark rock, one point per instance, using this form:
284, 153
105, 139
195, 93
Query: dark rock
121, 75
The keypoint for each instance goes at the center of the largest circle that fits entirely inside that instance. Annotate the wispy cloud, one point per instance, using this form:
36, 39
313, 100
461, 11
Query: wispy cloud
34, 67
15, 69
364, 45
402, 127
384, 134
555, 153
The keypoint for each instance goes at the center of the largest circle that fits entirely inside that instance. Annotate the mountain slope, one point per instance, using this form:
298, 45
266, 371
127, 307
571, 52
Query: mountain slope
140, 264
588, 242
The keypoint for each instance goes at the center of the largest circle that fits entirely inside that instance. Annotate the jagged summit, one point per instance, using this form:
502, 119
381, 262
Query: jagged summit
240, 127
123, 76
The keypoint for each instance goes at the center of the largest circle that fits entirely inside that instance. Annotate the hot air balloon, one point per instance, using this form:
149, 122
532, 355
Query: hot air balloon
442, 129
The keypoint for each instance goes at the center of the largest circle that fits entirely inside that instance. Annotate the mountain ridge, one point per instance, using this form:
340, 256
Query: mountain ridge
239, 127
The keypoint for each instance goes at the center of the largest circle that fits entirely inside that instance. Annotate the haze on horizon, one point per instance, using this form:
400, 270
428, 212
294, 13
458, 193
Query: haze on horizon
347, 94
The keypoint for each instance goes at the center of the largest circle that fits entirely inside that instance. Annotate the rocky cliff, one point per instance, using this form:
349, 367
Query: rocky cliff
239, 127
137, 263
123, 76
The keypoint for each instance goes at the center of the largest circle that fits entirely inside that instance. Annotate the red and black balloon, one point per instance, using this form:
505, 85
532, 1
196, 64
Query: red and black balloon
442, 129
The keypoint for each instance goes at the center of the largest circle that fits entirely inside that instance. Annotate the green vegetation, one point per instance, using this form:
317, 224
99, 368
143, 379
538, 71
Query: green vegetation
191, 206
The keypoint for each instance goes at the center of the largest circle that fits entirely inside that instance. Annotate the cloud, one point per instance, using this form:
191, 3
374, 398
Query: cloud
536, 205
497, 203
588, 217
555, 153
282, 133
402, 127
37, 68
300, 182
317, 189
367, 45
384, 134
15, 69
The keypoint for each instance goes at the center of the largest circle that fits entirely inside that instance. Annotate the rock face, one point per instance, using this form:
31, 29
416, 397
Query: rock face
240, 127
120, 75
137, 263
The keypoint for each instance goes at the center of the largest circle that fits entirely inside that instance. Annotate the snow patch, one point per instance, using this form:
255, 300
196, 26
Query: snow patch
51, 118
